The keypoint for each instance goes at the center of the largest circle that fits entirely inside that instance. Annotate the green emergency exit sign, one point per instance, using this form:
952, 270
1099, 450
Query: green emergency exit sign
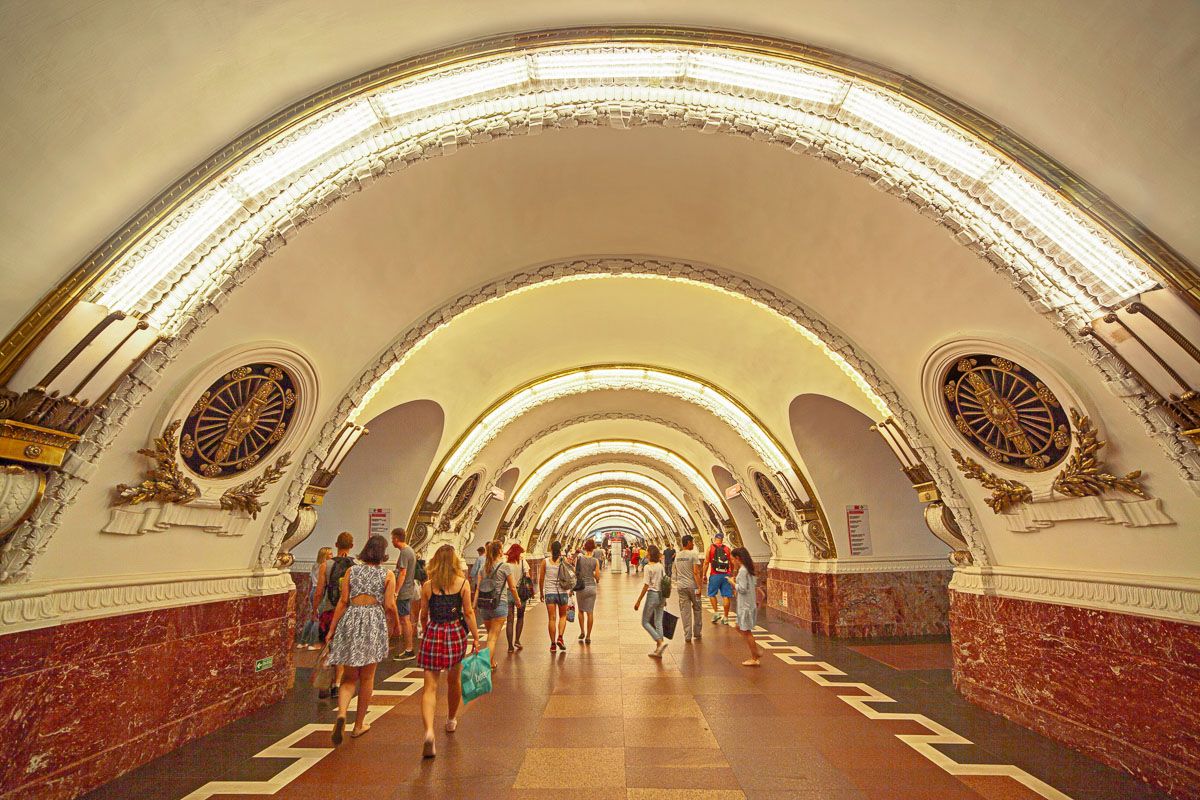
264, 663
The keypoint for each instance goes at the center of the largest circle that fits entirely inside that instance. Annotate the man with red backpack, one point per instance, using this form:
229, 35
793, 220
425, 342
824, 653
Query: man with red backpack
717, 565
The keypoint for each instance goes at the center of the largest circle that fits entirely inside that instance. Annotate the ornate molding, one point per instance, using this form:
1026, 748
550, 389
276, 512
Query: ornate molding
245, 496
1005, 493
165, 482
157, 517
21, 490
861, 565
1130, 513
40, 605
1147, 596
1084, 475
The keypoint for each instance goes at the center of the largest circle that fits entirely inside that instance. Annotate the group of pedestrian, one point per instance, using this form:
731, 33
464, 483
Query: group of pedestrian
358, 603
686, 573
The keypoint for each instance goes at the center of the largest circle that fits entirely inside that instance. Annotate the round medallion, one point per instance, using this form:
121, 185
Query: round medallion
465, 492
1006, 412
766, 488
238, 420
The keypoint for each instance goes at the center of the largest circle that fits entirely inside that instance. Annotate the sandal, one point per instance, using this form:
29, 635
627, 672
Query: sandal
427, 750
451, 725
751, 662
519, 646
339, 728
360, 732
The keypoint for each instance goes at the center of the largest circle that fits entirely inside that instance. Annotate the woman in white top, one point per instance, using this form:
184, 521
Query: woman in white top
652, 614
556, 597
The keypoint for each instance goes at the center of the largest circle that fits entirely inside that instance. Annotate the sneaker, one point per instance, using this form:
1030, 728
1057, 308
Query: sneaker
408, 655
687, 639
716, 618
561, 646
553, 647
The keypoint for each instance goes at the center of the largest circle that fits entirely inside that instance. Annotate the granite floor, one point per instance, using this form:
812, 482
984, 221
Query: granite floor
818, 719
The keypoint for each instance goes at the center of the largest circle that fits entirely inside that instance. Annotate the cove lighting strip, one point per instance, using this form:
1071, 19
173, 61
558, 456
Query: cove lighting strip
600, 510
611, 477
1070, 261
617, 519
617, 378
616, 447
640, 495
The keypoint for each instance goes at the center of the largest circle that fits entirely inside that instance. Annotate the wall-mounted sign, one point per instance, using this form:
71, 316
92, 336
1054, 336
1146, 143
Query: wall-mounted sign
379, 521
733, 491
858, 525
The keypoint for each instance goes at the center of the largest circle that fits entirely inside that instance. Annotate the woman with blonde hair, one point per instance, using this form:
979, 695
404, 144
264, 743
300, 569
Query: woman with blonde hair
358, 635
310, 634
447, 618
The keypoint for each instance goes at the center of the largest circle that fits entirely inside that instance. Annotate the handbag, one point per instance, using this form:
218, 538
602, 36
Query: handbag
669, 621
476, 675
322, 674
525, 587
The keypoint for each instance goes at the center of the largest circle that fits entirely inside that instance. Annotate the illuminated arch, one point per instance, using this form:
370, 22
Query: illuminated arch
615, 478
610, 508
169, 263
615, 447
642, 497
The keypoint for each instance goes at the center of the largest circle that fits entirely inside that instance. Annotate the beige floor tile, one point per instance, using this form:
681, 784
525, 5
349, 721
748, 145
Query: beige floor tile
648, 731
583, 705
685, 794
664, 705
561, 768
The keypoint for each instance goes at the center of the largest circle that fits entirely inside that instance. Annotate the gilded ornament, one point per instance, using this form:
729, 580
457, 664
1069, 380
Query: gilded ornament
1084, 475
1005, 493
245, 496
1006, 413
165, 482
187, 445
239, 420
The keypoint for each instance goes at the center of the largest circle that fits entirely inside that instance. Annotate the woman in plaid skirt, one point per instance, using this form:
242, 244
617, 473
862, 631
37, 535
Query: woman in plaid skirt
448, 618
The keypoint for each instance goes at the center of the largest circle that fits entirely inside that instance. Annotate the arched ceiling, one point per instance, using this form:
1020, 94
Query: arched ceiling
759, 270
126, 125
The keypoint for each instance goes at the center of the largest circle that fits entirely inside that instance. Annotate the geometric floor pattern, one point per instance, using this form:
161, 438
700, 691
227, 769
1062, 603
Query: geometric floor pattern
816, 720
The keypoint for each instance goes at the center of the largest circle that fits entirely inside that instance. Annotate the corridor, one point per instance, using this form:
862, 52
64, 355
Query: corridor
605, 721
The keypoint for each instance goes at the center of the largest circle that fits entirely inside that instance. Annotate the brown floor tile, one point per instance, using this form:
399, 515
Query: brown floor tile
677, 768
685, 794
659, 705
648, 731
937, 655
579, 732
994, 787
583, 705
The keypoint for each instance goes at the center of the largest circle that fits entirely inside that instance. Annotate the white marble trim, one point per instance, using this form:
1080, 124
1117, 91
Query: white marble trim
43, 604
1175, 599
864, 564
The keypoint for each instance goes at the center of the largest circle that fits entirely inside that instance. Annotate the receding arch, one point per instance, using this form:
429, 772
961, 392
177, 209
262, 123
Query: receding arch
487, 518
640, 498
384, 470
857, 468
612, 478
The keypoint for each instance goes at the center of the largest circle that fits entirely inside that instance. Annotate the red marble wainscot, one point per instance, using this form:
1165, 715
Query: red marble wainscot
862, 605
86, 702
1121, 688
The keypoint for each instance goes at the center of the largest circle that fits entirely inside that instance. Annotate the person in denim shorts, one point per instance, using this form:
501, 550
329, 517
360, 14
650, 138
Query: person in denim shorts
556, 599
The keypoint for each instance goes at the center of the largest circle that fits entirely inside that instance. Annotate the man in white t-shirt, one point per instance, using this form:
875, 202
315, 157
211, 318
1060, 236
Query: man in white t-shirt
686, 577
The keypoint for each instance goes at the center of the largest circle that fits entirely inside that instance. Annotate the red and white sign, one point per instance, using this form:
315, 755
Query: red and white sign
858, 525
379, 521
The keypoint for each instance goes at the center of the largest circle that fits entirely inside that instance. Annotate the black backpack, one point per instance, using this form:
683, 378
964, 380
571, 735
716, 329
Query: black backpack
720, 558
333, 577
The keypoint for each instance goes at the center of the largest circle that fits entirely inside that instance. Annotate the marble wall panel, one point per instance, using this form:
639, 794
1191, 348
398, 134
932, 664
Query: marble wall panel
88, 701
862, 605
1123, 689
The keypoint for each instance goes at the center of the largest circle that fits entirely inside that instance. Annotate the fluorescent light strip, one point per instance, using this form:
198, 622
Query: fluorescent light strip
738, 83
616, 447
664, 516
605, 379
647, 520
612, 477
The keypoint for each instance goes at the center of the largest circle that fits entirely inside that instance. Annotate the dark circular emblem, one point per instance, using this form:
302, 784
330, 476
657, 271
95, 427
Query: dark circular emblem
766, 488
1006, 412
238, 420
465, 492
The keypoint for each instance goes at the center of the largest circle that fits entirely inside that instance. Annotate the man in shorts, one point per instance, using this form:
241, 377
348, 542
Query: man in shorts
406, 591
717, 565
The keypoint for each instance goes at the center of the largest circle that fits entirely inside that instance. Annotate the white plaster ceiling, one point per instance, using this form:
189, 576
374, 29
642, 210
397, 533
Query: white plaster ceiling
105, 104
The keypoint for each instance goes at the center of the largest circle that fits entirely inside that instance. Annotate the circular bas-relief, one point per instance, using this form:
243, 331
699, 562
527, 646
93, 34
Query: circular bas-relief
1005, 412
238, 420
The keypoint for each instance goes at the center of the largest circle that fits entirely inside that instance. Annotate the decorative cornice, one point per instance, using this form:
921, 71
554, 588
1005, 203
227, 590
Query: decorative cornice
40, 605
1145, 595
860, 565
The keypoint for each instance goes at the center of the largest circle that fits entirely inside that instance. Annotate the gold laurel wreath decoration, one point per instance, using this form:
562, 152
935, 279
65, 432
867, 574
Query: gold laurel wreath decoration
164, 482
244, 496
1084, 475
1005, 493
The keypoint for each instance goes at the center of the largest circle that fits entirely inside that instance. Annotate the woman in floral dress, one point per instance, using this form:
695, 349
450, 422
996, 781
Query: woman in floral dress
358, 635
